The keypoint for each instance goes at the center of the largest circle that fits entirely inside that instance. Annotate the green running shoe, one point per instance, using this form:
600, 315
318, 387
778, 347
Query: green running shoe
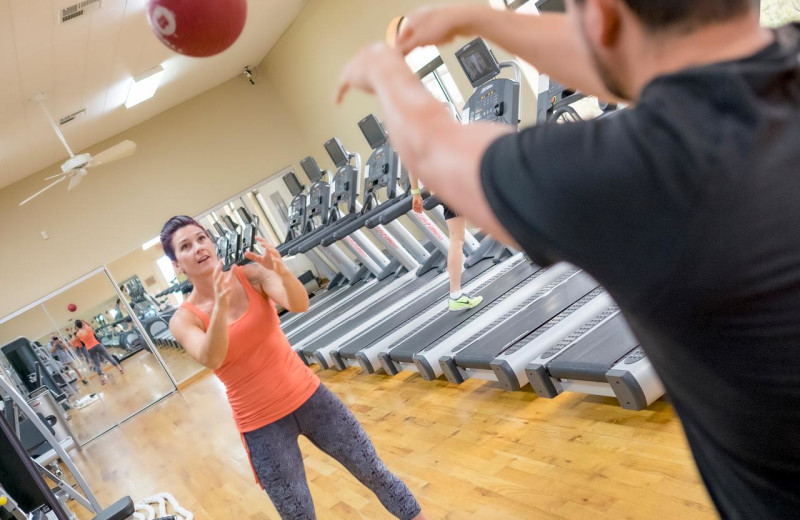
464, 303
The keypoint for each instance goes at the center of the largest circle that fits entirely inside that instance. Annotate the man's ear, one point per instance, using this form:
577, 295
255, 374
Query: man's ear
602, 21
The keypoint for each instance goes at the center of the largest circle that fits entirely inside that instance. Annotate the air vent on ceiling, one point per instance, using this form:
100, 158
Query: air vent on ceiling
73, 11
66, 119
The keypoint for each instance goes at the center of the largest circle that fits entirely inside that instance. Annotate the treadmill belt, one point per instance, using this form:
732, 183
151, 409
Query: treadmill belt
323, 321
521, 342
445, 321
563, 292
315, 301
402, 316
592, 355
389, 299
313, 314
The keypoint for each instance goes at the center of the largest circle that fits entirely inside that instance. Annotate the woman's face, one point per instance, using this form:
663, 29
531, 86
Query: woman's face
195, 253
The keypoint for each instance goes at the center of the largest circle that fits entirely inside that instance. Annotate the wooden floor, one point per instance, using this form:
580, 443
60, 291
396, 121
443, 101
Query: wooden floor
143, 383
467, 452
180, 364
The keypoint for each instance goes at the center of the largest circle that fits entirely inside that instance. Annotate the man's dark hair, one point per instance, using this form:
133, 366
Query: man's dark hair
79, 324
659, 15
169, 230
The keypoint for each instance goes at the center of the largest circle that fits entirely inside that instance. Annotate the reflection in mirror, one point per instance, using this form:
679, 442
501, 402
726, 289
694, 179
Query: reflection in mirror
117, 362
154, 292
37, 361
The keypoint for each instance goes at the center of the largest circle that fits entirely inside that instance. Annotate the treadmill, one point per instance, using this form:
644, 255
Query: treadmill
572, 337
602, 357
371, 320
315, 218
494, 100
382, 165
381, 172
300, 221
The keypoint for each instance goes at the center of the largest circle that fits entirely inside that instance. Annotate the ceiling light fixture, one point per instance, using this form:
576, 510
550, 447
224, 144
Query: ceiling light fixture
144, 86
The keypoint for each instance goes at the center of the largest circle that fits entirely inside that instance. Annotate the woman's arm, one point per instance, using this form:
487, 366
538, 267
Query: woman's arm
207, 347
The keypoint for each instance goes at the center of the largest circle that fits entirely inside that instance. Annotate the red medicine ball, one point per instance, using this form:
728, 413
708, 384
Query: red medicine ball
197, 28
72, 307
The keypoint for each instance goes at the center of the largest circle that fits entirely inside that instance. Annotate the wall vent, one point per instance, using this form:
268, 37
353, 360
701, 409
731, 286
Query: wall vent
74, 11
66, 119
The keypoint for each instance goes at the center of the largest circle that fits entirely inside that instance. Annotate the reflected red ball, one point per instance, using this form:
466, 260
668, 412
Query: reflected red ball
72, 307
197, 28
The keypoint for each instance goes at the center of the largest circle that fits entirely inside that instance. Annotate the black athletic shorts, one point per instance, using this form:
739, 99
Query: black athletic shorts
449, 213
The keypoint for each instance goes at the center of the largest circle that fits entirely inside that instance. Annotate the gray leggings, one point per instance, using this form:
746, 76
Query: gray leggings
330, 426
97, 354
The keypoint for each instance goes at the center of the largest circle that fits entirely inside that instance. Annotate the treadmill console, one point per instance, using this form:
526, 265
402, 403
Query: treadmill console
373, 131
297, 214
248, 234
336, 151
383, 167
478, 62
312, 171
319, 200
495, 99
292, 184
222, 241
551, 6
345, 188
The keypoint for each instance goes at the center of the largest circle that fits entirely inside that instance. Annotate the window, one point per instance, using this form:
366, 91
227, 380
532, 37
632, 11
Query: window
168, 272
429, 66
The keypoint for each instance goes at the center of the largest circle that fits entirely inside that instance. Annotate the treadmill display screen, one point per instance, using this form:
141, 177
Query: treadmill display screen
551, 6
478, 62
292, 184
313, 172
336, 151
373, 131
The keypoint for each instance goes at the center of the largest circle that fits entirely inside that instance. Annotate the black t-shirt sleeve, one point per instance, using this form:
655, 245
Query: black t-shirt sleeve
605, 195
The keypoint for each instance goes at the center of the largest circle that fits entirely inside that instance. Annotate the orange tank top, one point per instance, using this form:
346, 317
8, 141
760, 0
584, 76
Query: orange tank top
265, 380
88, 337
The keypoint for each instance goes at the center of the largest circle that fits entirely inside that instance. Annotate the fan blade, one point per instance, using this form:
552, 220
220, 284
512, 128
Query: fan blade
62, 174
40, 100
41, 191
118, 151
76, 178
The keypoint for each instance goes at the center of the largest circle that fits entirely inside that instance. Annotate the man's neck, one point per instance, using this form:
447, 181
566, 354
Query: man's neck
669, 53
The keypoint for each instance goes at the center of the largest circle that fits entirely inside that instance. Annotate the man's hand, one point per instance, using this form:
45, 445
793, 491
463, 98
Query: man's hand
437, 25
371, 61
270, 260
416, 203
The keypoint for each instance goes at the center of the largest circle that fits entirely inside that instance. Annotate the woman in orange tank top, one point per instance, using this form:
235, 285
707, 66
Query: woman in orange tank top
229, 324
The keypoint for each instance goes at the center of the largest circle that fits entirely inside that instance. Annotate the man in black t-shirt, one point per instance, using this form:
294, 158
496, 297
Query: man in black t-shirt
686, 207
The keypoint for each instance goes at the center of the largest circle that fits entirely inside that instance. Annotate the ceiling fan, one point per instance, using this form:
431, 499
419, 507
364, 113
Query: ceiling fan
76, 167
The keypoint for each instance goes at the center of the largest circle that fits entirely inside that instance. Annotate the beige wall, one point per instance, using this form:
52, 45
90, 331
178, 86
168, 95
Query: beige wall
196, 155
188, 159
33, 324
306, 63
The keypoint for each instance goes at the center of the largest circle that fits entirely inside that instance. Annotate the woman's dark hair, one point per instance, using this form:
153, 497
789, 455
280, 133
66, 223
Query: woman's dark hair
79, 324
169, 230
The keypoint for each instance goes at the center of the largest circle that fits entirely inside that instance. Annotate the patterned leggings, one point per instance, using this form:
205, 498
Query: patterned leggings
330, 426
98, 354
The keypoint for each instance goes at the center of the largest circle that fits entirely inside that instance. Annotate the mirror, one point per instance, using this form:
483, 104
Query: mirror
51, 374
116, 359
152, 290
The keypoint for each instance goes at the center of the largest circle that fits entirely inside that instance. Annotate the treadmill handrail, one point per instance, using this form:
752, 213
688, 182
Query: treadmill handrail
315, 240
361, 221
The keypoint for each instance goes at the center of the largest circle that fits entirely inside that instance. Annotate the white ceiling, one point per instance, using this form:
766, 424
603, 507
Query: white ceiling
89, 62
